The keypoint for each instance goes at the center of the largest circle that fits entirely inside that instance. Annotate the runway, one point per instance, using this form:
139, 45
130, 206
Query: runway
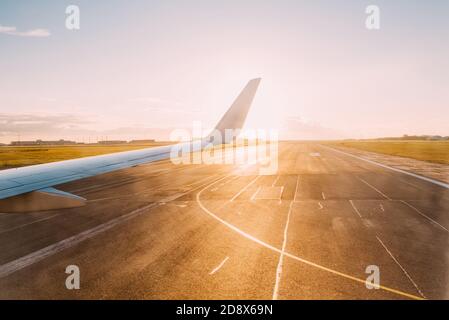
166, 231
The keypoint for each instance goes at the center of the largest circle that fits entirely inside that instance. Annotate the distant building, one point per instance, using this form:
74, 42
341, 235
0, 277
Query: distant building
23, 143
112, 142
39, 142
142, 141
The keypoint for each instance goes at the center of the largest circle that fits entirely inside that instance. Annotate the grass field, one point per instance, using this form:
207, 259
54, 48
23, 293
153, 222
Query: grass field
433, 151
12, 157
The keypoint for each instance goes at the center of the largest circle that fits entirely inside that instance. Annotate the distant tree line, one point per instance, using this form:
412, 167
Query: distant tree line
422, 137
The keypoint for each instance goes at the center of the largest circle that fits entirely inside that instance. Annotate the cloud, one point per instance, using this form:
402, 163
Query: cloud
70, 126
39, 33
37, 124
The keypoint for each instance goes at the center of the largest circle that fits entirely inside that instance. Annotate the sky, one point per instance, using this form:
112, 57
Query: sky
140, 69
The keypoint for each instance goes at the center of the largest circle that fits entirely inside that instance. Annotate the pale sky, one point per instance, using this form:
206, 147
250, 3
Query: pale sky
138, 69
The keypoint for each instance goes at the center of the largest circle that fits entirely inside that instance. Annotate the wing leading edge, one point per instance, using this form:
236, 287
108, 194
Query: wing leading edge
38, 179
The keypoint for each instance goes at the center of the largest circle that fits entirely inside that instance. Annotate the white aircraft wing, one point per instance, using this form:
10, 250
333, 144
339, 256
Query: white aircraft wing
31, 188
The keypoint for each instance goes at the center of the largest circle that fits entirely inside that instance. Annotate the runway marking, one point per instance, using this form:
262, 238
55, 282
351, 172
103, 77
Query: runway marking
101, 186
374, 188
276, 180
439, 183
410, 184
219, 266
230, 180
422, 214
296, 188
196, 181
128, 195
29, 223
244, 189
148, 191
307, 262
281, 256
224, 183
255, 194
323, 196
132, 179
320, 205
355, 208
36, 256
402, 268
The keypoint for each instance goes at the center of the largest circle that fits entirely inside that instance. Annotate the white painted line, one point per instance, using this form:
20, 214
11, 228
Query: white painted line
255, 194
123, 196
232, 179
439, 183
375, 189
280, 194
402, 268
99, 187
196, 181
36, 256
323, 196
244, 189
281, 256
296, 188
29, 223
50, 250
425, 216
355, 208
320, 205
149, 191
274, 182
219, 266
307, 262
410, 184
222, 184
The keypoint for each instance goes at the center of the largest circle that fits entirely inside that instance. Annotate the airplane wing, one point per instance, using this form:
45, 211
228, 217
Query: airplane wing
31, 188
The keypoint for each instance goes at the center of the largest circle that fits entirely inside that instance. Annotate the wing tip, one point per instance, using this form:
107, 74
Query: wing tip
256, 80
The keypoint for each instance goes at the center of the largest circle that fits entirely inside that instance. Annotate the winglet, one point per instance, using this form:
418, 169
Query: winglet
235, 117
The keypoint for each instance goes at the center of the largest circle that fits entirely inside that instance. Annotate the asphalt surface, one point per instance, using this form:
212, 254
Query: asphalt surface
166, 231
